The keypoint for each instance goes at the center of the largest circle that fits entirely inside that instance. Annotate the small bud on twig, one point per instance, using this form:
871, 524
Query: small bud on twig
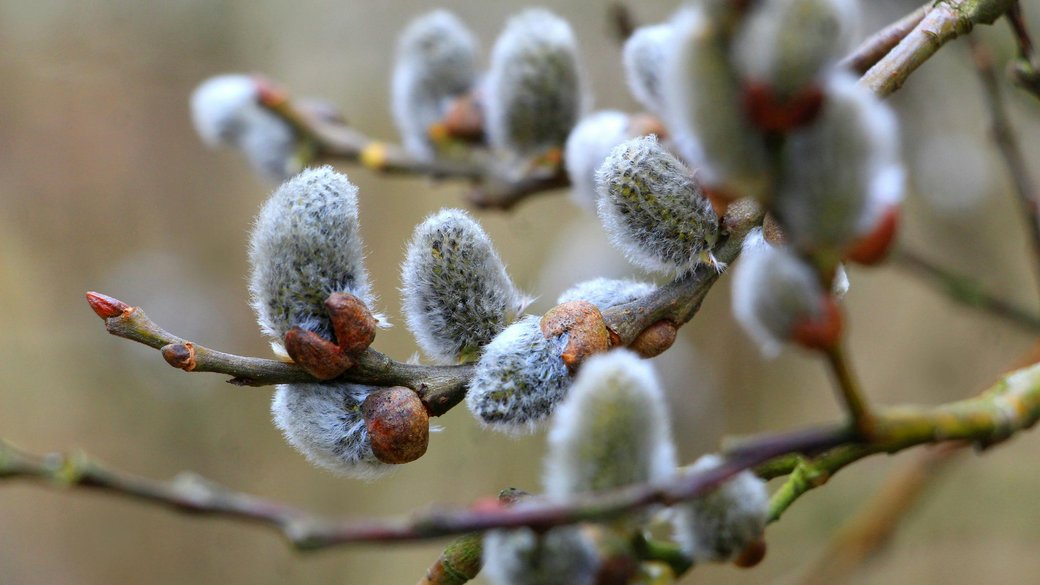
586, 331
352, 323
321, 358
655, 339
180, 355
105, 306
398, 424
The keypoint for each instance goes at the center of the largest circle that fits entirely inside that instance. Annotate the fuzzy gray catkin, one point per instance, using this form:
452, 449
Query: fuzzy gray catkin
589, 143
226, 112
561, 556
842, 172
457, 294
654, 210
324, 422
704, 107
787, 44
306, 245
436, 63
772, 291
519, 379
612, 430
607, 292
533, 88
644, 57
718, 526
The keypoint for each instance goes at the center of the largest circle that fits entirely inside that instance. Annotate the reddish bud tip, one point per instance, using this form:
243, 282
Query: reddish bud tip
398, 424
269, 94
320, 357
823, 332
487, 504
105, 306
464, 121
771, 113
720, 198
352, 322
180, 355
872, 248
655, 339
588, 333
645, 125
751, 555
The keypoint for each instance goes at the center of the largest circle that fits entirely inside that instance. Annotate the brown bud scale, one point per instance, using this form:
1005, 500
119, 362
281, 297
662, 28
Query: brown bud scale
352, 322
398, 424
822, 333
320, 357
107, 307
582, 321
655, 339
180, 355
751, 555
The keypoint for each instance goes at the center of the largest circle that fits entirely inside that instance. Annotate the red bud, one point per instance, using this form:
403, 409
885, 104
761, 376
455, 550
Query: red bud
105, 306
770, 113
873, 247
751, 555
823, 332
352, 322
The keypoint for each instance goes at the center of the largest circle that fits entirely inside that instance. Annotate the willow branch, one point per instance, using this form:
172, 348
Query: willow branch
1025, 70
850, 390
879, 44
1009, 406
440, 387
965, 290
1007, 143
944, 22
866, 533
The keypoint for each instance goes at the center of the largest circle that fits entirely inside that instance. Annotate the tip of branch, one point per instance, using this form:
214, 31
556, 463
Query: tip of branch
105, 306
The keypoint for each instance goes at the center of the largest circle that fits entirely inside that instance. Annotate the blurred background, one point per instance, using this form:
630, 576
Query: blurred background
104, 186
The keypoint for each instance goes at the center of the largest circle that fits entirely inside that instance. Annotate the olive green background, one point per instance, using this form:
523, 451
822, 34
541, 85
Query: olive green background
104, 186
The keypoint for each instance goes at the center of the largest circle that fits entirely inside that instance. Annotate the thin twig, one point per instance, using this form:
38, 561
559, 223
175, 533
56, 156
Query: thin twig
849, 390
947, 20
965, 290
1007, 143
812, 455
1025, 70
866, 533
874, 48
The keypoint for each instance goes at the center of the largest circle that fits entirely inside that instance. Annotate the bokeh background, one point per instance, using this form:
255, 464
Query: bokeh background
104, 186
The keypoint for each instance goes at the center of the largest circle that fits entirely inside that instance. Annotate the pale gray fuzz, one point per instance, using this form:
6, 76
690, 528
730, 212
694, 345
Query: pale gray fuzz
654, 210
611, 431
534, 85
562, 556
644, 58
519, 379
324, 422
842, 172
607, 292
588, 144
718, 526
305, 246
436, 63
457, 294
226, 112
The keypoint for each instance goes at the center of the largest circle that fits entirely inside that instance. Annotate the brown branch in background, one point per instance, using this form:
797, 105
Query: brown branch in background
1025, 70
440, 387
875, 47
944, 22
865, 535
965, 290
622, 22
810, 456
1007, 143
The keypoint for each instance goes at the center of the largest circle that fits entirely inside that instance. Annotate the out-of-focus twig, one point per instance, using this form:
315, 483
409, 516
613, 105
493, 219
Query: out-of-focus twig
945, 21
877, 45
965, 290
1025, 70
850, 390
864, 535
1008, 145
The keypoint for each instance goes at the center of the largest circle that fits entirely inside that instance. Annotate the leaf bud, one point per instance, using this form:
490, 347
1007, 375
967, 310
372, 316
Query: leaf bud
398, 424
325, 423
654, 209
226, 111
436, 63
519, 379
721, 525
305, 246
534, 93
457, 294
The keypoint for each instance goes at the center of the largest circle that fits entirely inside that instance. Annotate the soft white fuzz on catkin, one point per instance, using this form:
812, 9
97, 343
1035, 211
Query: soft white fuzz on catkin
588, 145
561, 556
644, 58
607, 292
